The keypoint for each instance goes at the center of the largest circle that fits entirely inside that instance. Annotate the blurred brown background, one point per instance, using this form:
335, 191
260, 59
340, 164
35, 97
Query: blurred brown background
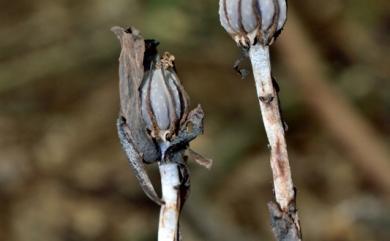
64, 177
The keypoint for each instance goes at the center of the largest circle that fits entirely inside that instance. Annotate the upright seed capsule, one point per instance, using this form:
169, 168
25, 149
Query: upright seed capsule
163, 99
252, 21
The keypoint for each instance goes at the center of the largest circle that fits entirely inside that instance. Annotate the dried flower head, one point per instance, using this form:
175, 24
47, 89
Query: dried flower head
252, 21
163, 99
154, 124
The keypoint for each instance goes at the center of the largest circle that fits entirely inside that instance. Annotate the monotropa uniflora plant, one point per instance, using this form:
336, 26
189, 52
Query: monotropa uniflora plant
155, 124
254, 25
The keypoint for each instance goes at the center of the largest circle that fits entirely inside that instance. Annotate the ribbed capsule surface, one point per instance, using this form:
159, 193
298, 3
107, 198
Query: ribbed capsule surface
252, 21
163, 99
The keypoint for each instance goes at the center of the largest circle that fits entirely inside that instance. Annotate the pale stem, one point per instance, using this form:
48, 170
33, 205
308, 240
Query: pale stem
169, 212
269, 106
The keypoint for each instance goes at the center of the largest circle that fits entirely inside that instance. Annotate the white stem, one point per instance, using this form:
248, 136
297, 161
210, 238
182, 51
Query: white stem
268, 99
169, 213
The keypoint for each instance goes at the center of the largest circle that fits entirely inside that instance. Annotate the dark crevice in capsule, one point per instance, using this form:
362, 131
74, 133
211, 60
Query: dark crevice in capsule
184, 99
129, 30
150, 52
181, 110
275, 19
257, 12
171, 101
149, 107
240, 22
226, 14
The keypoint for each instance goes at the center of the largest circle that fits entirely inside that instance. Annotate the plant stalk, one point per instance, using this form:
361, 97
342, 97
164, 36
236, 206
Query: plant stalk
284, 215
268, 99
169, 213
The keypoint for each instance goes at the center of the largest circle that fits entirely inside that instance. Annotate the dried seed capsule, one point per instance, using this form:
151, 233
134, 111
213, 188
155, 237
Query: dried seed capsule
163, 99
252, 21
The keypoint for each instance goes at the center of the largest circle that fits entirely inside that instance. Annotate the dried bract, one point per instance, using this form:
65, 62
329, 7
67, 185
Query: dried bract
252, 21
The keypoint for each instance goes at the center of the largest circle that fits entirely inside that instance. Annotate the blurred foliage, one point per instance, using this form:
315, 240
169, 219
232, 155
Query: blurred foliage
63, 175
